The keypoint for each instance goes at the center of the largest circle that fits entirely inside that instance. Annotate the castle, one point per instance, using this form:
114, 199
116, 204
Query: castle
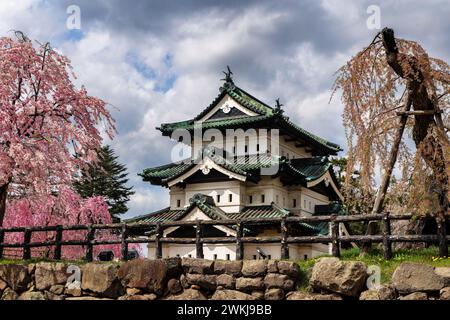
246, 160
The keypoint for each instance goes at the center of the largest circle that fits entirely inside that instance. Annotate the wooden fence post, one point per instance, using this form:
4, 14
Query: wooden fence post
2, 239
58, 239
387, 244
89, 246
239, 244
198, 241
26, 244
158, 243
442, 236
335, 250
124, 244
284, 236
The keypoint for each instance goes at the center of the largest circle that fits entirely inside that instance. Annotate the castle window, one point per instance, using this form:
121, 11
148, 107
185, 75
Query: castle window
218, 198
230, 197
294, 203
178, 203
257, 147
250, 199
215, 257
228, 256
305, 257
254, 257
304, 204
246, 149
263, 198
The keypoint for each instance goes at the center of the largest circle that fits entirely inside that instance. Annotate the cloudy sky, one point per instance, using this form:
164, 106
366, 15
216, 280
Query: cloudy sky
161, 61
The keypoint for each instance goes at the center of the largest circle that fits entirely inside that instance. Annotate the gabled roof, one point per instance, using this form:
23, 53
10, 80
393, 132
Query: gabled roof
304, 169
266, 117
206, 205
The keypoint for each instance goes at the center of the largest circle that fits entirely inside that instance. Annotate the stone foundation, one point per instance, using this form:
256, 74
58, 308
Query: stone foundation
196, 279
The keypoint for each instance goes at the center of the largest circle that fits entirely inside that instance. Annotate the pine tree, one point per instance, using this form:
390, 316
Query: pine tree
108, 178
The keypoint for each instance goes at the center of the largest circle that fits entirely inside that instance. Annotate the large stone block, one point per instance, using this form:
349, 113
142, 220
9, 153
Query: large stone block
344, 277
226, 281
102, 279
149, 275
249, 284
281, 281
48, 274
204, 281
174, 269
188, 294
288, 268
412, 277
32, 295
444, 294
254, 268
297, 295
199, 266
228, 267
415, 296
231, 295
16, 276
274, 294
9, 294
444, 273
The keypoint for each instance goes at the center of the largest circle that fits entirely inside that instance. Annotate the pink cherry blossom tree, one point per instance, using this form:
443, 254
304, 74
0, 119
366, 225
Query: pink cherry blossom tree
49, 128
65, 208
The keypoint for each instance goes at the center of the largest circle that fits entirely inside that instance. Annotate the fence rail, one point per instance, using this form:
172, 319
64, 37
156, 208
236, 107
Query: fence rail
125, 232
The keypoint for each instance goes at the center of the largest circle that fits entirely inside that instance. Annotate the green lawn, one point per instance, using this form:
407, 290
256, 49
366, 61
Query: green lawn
426, 256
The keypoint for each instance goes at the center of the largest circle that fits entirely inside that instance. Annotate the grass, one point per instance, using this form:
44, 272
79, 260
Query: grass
425, 256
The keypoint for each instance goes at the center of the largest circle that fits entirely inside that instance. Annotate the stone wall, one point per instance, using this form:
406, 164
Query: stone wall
196, 279
171, 279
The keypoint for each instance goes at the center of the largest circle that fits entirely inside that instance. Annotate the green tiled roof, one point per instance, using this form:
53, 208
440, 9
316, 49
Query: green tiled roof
206, 205
162, 215
310, 168
267, 116
269, 211
303, 170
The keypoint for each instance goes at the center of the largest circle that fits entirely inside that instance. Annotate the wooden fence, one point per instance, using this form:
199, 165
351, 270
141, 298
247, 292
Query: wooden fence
125, 231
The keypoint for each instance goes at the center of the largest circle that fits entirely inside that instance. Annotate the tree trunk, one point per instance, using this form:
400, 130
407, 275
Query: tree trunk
3, 194
430, 147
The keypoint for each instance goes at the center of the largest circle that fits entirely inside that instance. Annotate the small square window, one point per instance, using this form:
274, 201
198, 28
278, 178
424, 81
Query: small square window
190, 255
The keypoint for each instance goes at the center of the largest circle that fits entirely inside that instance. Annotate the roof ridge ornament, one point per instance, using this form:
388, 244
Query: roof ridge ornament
278, 110
229, 84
